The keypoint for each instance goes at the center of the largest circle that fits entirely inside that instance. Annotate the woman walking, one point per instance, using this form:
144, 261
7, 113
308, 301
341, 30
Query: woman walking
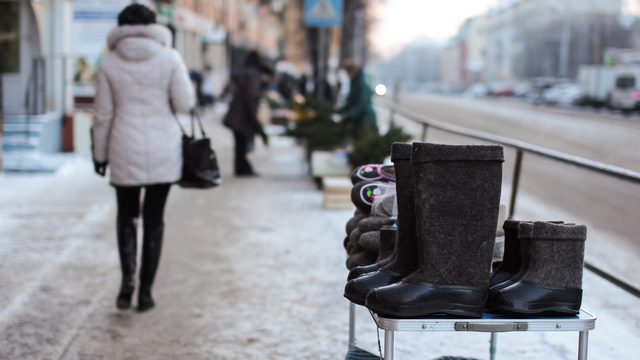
136, 134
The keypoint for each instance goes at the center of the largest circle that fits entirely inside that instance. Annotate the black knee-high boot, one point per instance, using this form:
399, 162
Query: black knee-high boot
151, 250
127, 246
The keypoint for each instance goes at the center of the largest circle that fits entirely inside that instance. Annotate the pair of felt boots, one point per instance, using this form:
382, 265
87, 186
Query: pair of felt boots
541, 271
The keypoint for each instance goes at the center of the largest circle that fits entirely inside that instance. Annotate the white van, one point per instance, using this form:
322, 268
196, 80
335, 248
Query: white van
625, 94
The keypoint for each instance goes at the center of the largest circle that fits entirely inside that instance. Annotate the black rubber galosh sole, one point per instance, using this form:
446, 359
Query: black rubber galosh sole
565, 310
357, 299
413, 312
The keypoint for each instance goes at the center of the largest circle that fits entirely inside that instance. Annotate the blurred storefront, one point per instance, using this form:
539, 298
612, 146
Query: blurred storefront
35, 52
50, 50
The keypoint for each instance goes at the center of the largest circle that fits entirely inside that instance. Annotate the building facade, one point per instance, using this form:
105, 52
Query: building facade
528, 38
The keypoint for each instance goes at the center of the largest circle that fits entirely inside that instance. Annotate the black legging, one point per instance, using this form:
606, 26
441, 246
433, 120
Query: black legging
155, 198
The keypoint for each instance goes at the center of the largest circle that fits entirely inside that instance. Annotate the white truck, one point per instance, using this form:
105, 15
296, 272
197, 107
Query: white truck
613, 87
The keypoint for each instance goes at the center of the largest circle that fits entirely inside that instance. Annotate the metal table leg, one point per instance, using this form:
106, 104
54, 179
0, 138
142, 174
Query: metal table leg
583, 345
352, 323
388, 345
494, 346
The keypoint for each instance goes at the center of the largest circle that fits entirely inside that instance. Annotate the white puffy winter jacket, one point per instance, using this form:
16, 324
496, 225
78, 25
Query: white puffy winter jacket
134, 128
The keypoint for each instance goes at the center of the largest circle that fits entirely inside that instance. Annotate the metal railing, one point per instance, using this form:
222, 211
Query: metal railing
521, 148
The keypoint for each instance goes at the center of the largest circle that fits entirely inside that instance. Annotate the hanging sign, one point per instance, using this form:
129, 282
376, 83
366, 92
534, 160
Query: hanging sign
323, 13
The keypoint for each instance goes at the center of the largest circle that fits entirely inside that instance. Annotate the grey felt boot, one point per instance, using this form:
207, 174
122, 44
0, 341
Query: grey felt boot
370, 241
406, 259
385, 255
364, 193
361, 258
551, 281
354, 239
373, 172
457, 202
358, 216
374, 223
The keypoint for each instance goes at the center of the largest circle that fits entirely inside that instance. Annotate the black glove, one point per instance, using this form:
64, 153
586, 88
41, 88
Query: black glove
100, 167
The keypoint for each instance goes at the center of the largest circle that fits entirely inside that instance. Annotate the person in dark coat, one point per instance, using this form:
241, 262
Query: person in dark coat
242, 117
327, 93
358, 108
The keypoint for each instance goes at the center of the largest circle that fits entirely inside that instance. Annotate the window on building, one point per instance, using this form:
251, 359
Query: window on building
9, 36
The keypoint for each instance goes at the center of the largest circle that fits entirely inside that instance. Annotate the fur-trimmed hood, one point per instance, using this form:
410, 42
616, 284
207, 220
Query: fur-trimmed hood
137, 42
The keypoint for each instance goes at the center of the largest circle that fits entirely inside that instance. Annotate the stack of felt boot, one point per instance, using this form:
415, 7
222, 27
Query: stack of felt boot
373, 184
541, 274
448, 199
448, 202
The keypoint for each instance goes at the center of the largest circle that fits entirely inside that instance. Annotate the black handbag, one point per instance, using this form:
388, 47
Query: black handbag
200, 166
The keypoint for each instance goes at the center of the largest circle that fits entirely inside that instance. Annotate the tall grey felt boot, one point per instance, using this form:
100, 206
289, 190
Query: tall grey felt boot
406, 260
385, 255
551, 283
457, 202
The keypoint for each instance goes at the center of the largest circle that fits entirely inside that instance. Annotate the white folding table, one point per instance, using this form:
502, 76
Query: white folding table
490, 322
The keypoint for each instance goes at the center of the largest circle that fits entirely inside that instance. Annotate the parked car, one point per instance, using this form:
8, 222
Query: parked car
625, 95
477, 90
562, 94
539, 85
502, 91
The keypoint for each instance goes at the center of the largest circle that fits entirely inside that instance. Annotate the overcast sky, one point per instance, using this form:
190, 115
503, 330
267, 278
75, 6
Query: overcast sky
401, 21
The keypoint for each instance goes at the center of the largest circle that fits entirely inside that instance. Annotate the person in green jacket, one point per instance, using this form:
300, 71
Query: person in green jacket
358, 108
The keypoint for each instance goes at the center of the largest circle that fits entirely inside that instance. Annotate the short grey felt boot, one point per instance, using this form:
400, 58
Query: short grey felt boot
385, 255
511, 260
551, 282
457, 202
406, 251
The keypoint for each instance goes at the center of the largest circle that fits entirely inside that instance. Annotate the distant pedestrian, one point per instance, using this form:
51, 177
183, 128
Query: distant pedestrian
196, 80
206, 87
135, 133
358, 108
242, 117
324, 92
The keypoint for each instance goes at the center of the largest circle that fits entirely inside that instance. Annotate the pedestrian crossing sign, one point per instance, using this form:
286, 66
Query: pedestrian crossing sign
323, 13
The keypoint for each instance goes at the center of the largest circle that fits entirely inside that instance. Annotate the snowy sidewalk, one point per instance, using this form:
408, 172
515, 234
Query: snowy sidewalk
253, 269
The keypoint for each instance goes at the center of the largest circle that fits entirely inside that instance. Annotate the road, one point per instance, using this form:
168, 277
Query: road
550, 190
